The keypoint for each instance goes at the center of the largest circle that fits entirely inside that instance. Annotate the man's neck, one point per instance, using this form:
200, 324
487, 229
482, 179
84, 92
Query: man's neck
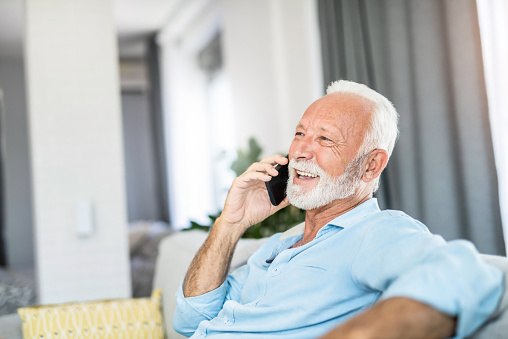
317, 218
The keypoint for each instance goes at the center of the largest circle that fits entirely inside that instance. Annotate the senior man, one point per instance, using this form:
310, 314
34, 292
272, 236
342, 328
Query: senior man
350, 267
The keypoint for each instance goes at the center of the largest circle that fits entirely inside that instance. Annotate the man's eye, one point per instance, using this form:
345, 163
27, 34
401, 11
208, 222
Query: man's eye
299, 133
325, 139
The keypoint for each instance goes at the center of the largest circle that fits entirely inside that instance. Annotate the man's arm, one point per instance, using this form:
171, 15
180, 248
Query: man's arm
396, 318
200, 297
247, 204
210, 266
410, 262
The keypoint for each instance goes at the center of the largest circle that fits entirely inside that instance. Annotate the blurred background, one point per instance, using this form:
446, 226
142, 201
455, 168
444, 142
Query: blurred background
121, 119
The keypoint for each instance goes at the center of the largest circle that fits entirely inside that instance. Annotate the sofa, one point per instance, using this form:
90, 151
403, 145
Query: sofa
177, 250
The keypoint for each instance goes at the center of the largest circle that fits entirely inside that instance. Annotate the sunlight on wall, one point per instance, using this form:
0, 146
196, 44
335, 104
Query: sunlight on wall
190, 118
186, 132
223, 136
493, 17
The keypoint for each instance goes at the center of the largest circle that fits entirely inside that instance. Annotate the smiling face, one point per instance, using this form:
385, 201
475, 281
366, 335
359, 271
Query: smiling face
327, 140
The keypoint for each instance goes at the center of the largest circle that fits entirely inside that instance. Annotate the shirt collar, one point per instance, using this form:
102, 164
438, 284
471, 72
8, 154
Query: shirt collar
350, 218
345, 220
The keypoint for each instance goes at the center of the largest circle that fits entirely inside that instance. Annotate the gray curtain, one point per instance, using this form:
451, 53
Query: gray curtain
425, 56
154, 73
3, 258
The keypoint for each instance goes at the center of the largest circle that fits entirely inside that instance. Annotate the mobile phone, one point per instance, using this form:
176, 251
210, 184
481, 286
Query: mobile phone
277, 185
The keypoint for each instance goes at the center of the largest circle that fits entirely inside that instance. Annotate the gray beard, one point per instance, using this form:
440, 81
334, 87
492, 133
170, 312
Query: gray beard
328, 189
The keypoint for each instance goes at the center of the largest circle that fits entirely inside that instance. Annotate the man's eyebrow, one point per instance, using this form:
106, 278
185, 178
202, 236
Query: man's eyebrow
333, 133
328, 130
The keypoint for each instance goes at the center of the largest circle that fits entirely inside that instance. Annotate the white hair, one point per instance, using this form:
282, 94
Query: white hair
383, 131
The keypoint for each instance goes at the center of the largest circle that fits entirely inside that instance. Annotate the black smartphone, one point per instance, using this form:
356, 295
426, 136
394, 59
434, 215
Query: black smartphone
277, 186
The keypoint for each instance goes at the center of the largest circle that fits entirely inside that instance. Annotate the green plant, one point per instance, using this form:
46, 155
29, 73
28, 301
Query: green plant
246, 158
278, 222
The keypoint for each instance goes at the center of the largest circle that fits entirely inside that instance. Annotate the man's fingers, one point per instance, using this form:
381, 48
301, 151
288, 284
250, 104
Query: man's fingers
248, 177
275, 159
283, 204
267, 165
262, 168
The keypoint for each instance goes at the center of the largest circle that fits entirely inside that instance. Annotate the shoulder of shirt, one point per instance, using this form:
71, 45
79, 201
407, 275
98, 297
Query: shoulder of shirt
396, 214
397, 219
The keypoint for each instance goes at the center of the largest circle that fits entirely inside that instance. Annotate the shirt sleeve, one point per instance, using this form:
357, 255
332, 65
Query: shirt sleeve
193, 310
402, 259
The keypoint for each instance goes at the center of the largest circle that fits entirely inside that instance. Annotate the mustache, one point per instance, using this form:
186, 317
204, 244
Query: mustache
306, 166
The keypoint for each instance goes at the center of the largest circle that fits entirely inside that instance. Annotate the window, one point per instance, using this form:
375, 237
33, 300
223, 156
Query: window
493, 18
200, 126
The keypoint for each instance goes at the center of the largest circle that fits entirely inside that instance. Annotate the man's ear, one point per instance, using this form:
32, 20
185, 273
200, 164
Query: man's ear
376, 163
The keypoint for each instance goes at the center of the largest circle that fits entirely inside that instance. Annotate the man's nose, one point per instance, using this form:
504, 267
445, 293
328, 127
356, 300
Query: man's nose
301, 150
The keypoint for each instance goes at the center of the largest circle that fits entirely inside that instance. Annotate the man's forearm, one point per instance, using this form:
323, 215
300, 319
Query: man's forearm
397, 318
247, 204
210, 266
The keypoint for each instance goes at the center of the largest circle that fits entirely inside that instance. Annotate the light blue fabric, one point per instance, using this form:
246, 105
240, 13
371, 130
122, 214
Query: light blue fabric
359, 257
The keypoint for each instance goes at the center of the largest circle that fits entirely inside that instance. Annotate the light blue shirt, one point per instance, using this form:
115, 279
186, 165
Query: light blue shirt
359, 257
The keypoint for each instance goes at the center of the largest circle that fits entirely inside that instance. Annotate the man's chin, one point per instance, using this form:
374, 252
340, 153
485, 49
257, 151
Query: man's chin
304, 200
305, 205
306, 185
310, 199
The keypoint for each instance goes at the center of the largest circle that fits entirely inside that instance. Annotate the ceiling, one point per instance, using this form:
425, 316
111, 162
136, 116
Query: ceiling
135, 20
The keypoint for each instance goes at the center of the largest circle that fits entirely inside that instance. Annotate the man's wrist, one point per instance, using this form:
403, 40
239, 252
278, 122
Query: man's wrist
228, 229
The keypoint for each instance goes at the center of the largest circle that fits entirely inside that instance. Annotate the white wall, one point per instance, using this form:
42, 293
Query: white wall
272, 61
18, 230
77, 155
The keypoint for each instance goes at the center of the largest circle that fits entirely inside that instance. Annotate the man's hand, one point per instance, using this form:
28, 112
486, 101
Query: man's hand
247, 204
397, 318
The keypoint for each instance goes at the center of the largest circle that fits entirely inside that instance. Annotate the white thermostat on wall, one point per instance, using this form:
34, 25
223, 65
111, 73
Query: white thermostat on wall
84, 218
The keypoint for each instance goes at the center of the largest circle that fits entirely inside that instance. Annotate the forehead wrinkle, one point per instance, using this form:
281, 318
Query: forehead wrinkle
355, 114
326, 122
342, 114
329, 127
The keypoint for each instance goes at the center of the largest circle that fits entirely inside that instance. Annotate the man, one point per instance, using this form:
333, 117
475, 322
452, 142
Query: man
365, 272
